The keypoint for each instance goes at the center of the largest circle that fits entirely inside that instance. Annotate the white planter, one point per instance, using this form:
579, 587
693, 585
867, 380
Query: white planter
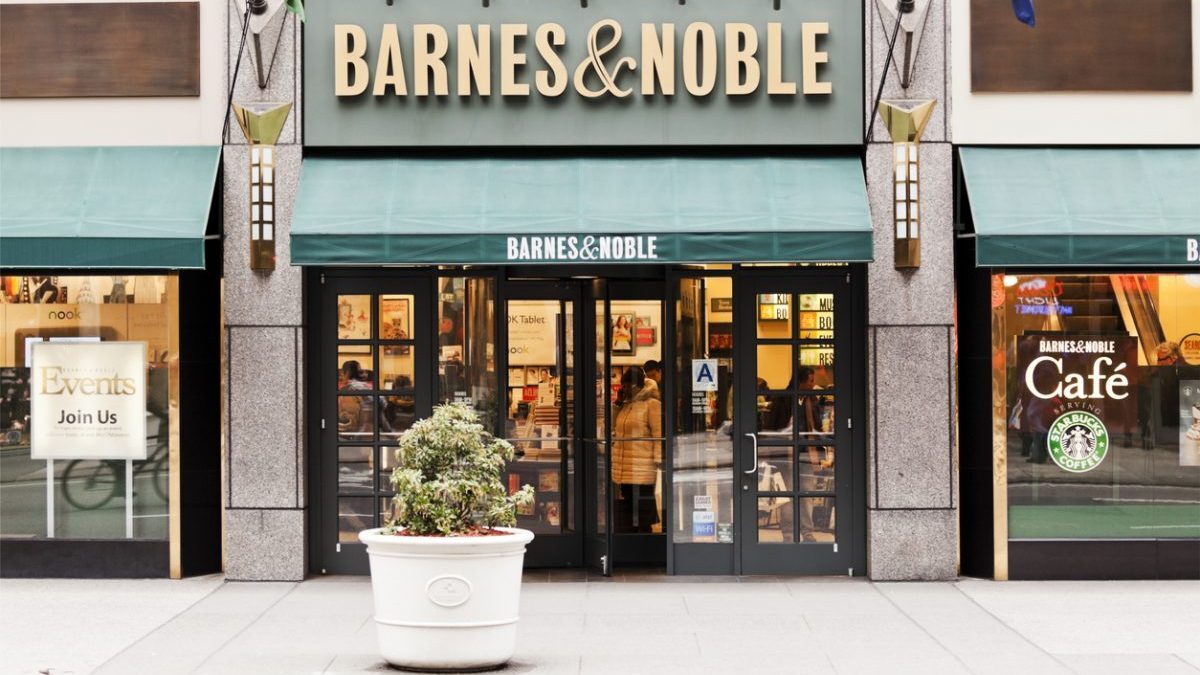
446, 603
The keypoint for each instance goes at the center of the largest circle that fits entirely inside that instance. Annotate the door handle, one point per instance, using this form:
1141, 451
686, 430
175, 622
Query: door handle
754, 464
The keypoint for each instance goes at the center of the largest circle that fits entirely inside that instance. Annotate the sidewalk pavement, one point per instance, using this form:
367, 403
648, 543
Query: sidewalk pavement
632, 625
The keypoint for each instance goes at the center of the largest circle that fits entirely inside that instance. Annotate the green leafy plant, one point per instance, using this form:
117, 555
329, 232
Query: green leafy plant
448, 477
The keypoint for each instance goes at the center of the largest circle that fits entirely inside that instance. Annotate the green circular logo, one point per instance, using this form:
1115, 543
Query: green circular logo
1078, 441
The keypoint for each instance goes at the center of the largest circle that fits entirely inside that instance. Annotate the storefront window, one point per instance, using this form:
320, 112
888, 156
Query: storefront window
466, 344
1101, 404
702, 449
85, 497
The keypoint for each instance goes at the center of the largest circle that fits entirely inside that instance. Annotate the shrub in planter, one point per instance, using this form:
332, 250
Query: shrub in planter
446, 572
448, 477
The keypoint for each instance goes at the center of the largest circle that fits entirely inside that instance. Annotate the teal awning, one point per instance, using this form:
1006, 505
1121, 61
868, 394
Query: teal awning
105, 207
387, 210
1083, 207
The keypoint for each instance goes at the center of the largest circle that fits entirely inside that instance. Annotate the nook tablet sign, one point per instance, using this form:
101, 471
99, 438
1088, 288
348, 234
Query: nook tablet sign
88, 400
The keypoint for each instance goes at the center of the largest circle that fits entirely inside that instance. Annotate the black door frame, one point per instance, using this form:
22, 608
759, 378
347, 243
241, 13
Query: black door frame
327, 555
680, 558
558, 550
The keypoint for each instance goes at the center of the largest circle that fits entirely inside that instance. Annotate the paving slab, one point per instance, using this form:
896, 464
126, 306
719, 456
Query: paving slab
574, 623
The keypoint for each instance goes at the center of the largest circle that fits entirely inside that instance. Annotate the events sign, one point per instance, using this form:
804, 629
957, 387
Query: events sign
88, 400
1078, 391
616, 72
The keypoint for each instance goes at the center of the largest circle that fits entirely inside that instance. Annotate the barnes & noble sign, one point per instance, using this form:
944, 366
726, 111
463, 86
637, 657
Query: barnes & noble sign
551, 72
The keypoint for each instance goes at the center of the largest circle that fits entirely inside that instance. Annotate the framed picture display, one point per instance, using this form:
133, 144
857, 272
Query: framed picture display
354, 317
394, 318
624, 341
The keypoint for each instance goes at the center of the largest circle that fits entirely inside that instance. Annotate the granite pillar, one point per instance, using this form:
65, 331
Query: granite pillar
912, 474
264, 489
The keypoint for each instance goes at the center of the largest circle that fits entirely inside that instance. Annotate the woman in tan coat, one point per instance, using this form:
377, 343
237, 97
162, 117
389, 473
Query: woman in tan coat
637, 452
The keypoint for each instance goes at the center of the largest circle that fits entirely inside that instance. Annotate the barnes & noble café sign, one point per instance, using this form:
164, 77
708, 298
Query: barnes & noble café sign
553, 72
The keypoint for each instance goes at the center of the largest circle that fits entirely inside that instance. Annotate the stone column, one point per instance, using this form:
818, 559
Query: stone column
912, 472
264, 489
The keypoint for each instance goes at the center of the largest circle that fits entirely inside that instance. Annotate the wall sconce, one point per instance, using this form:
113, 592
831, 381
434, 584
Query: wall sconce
905, 120
261, 124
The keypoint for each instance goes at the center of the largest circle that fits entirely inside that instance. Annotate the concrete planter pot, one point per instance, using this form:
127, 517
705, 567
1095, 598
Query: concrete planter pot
446, 603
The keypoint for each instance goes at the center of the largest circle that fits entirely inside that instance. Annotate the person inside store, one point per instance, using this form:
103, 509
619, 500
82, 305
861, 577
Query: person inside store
355, 413
653, 370
812, 477
635, 453
399, 408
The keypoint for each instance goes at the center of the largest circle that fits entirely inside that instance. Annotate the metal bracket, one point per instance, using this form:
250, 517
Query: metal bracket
912, 24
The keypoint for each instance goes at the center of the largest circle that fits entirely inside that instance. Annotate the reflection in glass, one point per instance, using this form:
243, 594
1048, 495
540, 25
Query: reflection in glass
776, 518
355, 514
702, 447
354, 468
1148, 482
817, 522
817, 358
88, 495
466, 345
387, 464
775, 468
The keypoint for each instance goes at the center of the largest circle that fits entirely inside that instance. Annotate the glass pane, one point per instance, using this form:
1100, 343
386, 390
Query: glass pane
817, 468
544, 473
776, 516
702, 450
395, 317
385, 511
356, 418
396, 367
387, 464
817, 519
774, 315
88, 495
355, 514
814, 417
637, 418
467, 345
774, 367
356, 368
354, 468
816, 366
775, 468
775, 418
354, 317
397, 413
1129, 457
816, 316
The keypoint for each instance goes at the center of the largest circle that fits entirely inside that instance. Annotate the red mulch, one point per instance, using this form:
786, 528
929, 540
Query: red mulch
473, 532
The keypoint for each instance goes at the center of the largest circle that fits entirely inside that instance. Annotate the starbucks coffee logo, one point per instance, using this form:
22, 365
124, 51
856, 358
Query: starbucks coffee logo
1077, 441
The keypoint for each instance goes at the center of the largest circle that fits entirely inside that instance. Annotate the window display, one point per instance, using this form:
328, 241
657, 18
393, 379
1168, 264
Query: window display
90, 497
1098, 404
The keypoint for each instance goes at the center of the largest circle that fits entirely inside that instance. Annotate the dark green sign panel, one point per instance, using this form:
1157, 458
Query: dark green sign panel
555, 73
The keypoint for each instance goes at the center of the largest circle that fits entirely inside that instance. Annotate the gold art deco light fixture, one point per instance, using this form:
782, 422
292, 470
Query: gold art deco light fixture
261, 124
905, 120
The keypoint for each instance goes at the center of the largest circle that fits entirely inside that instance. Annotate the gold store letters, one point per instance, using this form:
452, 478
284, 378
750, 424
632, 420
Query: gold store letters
695, 59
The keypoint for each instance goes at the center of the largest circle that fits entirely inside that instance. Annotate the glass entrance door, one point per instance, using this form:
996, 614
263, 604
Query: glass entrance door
372, 389
793, 450
543, 416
